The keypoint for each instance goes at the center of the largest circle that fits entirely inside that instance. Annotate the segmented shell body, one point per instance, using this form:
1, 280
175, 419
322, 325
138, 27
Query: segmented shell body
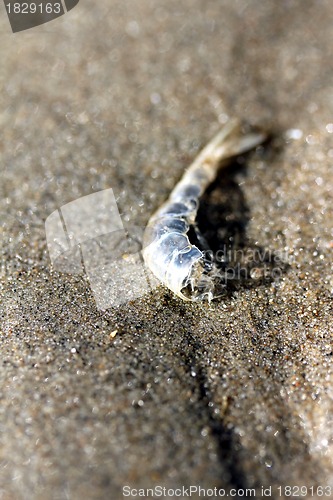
167, 250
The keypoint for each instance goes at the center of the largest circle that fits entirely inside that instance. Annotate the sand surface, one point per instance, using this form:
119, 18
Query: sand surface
155, 391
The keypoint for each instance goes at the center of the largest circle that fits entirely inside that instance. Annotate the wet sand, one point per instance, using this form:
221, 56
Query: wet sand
155, 391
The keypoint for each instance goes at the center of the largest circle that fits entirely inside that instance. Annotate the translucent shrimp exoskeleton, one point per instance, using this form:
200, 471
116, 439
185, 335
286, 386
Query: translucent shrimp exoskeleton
167, 250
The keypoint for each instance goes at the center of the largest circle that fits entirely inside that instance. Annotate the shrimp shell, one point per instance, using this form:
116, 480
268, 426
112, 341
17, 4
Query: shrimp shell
167, 250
